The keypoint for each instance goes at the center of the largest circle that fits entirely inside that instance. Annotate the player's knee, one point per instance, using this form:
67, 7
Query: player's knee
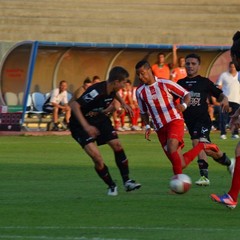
117, 146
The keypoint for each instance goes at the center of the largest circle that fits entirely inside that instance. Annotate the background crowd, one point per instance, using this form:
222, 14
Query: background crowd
228, 82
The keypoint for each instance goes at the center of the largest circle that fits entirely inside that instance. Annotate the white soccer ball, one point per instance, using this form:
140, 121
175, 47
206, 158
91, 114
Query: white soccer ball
180, 183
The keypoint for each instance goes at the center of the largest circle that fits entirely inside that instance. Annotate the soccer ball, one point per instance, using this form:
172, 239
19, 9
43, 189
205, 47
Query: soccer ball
180, 183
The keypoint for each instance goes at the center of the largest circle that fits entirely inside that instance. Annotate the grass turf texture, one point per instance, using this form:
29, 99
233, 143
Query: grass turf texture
49, 190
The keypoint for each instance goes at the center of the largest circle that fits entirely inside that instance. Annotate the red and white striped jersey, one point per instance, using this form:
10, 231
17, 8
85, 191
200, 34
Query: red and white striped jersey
159, 101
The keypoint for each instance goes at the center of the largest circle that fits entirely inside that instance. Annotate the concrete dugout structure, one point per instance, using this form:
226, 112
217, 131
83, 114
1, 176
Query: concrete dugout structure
38, 66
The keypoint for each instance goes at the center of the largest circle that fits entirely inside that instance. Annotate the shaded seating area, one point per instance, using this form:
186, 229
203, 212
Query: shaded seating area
34, 117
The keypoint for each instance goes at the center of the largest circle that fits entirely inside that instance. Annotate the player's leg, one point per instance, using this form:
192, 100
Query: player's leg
102, 170
235, 187
201, 130
109, 136
171, 138
222, 158
231, 198
177, 158
202, 165
122, 164
87, 143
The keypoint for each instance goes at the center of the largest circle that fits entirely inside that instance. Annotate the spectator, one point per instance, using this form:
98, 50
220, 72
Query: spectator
86, 83
57, 103
128, 95
161, 69
179, 70
96, 79
228, 82
136, 111
116, 115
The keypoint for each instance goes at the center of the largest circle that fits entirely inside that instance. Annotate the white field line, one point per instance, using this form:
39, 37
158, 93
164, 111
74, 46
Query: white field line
18, 237
205, 229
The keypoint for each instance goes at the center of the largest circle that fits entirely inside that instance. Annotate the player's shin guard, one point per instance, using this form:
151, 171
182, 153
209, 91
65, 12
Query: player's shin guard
122, 163
105, 176
176, 162
224, 160
203, 167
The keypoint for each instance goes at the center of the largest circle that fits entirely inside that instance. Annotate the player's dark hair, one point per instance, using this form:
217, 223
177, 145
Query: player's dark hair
142, 63
194, 55
118, 73
235, 49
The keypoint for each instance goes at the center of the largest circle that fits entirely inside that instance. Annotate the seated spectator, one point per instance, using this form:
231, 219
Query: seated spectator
86, 83
96, 79
136, 111
128, 95
57, 103
118, 110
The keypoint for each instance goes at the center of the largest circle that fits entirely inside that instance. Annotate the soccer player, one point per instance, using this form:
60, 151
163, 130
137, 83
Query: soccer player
90, 123
156, 97
230, 199
196, 116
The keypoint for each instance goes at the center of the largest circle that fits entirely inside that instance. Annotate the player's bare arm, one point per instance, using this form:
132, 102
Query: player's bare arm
145, 119
185, 101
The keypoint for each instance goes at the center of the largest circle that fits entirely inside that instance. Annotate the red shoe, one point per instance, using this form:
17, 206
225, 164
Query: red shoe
211, 146
225, 199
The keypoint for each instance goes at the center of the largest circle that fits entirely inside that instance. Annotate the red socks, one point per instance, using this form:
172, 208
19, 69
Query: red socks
192, 153
188, 157
235, 188
176, 162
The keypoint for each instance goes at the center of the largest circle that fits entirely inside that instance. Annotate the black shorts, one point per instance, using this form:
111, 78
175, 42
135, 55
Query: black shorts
107, 133
200, 128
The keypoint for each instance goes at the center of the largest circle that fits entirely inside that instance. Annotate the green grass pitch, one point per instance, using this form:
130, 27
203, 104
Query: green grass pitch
49, 190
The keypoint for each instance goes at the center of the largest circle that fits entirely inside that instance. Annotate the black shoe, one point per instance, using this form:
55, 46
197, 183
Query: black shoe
55, 128
131, 185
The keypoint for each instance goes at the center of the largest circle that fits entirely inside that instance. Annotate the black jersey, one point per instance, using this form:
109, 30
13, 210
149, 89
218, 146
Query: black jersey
201, 89
94, 99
